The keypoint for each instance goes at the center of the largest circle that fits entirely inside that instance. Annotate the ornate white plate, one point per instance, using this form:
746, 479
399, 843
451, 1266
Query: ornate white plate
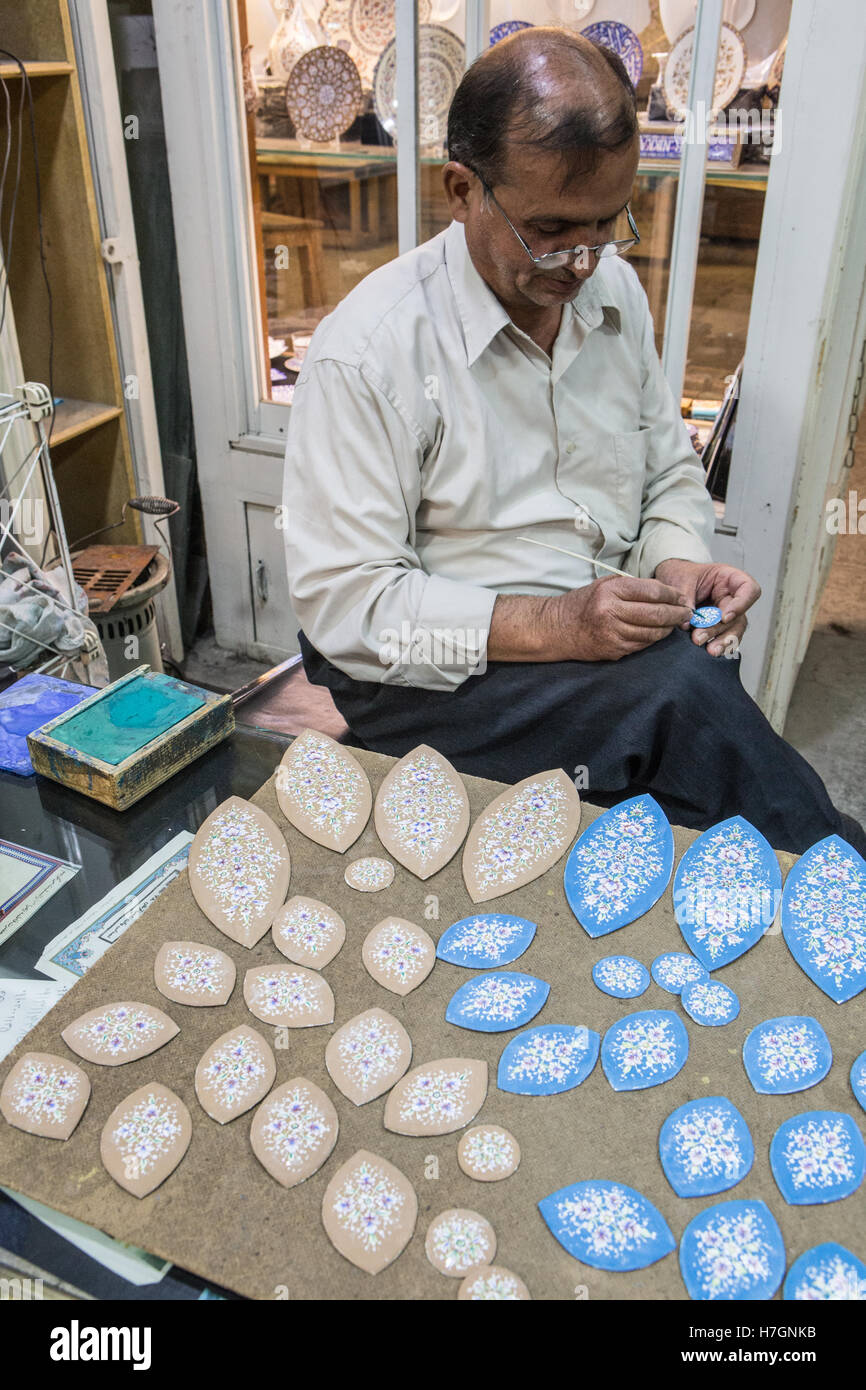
294, 1131
623, 41
323, 791
369, 1211
145, 1137
520, 834
676, 15
441, 61
363, 28
239, 870
323, 93
730, 69
422, 811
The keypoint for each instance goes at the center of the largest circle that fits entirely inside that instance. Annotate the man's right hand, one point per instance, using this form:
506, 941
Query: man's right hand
610, 618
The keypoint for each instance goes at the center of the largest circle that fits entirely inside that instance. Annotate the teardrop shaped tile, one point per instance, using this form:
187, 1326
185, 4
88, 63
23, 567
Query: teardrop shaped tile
547, 1060
607, 1225
710, 1003
491, 1283
188, 972
437, 1098
288, 996
294, 1131
733, 1250
145, 1137
370, 874
674, 970
622, 977
497, 1002
368, 1055
824, 917
235, 1073
459, 1240
787, 1054
323, 791
398, 954
369, 1211
422, 811
488, 1153
239, 870
645, 1049
817, 1157
44, 1094
858, 1079
308, 932
705, 1147
620, 866
826, 1272
726, 891
118, 1033
520, 834
491, 938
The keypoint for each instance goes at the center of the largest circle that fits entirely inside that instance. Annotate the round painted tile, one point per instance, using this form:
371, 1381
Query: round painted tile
622, 977
369, 875
705, 1147
711, 1003
817, 1157
458, 1241
705, 617
733, 1251
488, 1153
493, 1282
787, 1054
644, 1049
675, 969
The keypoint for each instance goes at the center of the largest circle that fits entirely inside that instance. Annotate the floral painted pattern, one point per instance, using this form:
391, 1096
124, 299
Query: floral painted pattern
819, 1153
621, 976
526, 829
367, 1205
435, 1097
787, 1054
607, 1225
236, 1071
824, 917
827, 1273
548, 1056
734, 1252
284, 992
707, 1144
120, 1029
495, 1283
710, 1002
488, 938
42, 1092
399, 953
369, 875
489, 1151
620, 862
237, 862
459, 1242
422, 808
496, 1003
676, 969
725, 891
644, 1050
308, 930
194, 972
146, 1133
370, 1051
322, 784
295, 1128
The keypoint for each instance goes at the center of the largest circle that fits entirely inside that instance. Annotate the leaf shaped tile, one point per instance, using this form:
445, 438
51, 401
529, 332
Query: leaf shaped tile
622, 977
824, 917
368, 1055
487, 939
644, 1049
288, 996
493, 1282
710, 1003
369, 1211
459, 1240
858, 1079
520, 834
370, 874
733, 1251
787, 1054
544, 1061
398, 954
726, 891
497, 1002
323, 791
422, 811
187, 972
235, 1073
674, 970
607, 1225
294, 1131
308, 932
705, 1147
488, 1153
239, 869
437, 1098
145, 1137
118, 1033
44, 1094
817, 1157
620, 866
826, 1272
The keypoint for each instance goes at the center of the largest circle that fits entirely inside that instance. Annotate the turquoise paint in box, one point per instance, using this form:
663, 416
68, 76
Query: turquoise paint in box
124, 720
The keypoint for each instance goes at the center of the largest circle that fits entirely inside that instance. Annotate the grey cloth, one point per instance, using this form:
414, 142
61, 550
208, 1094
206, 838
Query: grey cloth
35, 614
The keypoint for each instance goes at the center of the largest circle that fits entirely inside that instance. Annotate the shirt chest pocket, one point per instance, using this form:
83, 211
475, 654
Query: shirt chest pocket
630, 460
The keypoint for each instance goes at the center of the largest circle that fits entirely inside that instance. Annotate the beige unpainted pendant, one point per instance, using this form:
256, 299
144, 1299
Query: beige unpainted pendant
422, 811
323, 791
239, 870
437, 1098
398, 954
235, 1073
187, 972
520, 834
288, 996
493, 1282
118, 1033
488, 1153
44, 1094
294, 1131
368, 1055
308, 931
460, 1240
369, 1211
145, 1137
370, 874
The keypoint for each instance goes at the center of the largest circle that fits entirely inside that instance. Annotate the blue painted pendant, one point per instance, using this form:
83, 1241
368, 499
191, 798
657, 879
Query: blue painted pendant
824, 917
675, 970
547, 1060
496, 1002
620, 866
827, 1271
726, 891
644, 1050
710, 1003
705, 1147
817, 1157
623, 977
489, 938
705, 617
607, 1225
858, 1079
787, 1054
733, 1251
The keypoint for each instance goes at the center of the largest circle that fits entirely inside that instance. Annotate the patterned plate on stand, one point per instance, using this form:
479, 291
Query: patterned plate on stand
362, 28
441, 60
624, 42
730, 69
323, 93
507, 28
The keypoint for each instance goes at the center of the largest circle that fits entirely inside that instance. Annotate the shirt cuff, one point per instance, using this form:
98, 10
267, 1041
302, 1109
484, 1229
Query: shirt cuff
662, 541
448, 641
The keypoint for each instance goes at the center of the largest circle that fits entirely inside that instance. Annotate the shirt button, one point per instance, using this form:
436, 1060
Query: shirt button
570, 448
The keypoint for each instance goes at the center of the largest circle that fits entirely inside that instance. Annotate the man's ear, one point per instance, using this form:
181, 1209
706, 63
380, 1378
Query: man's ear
459, 183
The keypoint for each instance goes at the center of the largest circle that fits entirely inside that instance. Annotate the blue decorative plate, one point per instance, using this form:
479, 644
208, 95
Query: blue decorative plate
644, 1050
858, 1079
824, 917
827, 1271
507, 28
733, 1251
675, 970
620, 866
726, 891
817, 1157
710, 1003
787, 1054
607, 1225
496, 1002
623, 977
547, 1060
624, 42
705, 617
488, 938
705, 1147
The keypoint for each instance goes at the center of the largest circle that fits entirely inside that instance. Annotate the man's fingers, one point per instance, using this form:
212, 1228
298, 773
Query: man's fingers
651, 615
746, 592
646, 591
636, 638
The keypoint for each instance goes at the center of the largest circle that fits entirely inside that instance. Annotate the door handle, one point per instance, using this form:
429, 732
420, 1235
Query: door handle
262, 581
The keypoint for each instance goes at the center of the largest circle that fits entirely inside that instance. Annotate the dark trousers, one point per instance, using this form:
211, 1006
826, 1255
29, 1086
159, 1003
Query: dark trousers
670, 720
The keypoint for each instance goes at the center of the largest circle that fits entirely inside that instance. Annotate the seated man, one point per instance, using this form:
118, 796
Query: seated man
498, 382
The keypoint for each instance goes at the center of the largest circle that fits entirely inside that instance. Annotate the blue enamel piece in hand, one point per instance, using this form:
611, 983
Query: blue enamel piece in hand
607, 1225
858, 1079
787, 1054
644, 1050
486, 939
622, 977
817, 1157
620, 866
824, 917
496, 1002
733, 1251
705, 1147
705, 617
676, 969
827, 1271
726, 891
710, 1003
547, 1060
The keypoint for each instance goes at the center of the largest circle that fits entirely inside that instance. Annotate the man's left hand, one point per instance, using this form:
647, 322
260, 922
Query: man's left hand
731, 590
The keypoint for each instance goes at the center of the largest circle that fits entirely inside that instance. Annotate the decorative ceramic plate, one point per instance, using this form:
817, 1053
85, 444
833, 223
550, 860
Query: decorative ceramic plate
733, 1251
118, 1033
644, 1050
437, 1098
44, 1094
547, 1060
676, 15
459, 1240
363, 28
607, 1225
787, 1054
520, 834
422, 811
492, 938
369, 1211
493, 1282
368, 1055
710, 1003
826, 1272
620, 866
188, 972
622, 977
622, 40
294, 1131
239, 870
145, 1137
488, 1153
323, 93
441, 61
323, 791
705, 1147
817, 1157
726, 891
507, 28
730, 70
824, 917
497, 1002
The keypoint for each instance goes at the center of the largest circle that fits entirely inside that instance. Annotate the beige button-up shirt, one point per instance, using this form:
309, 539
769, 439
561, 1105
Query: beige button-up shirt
428, 432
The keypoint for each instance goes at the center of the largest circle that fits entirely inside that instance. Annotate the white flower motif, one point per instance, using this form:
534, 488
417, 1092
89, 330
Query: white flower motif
548, 1057
235, 1071
786, 1053
486, 938
495, 1284
620, 974
644, 1046
399, 953
732, 1254
118, 1030
322, 784
522, 831
295, 1127
422, 807
710, 999
707, 1144
367, 1205
460, 1243
146, 1133
827, 913
677, 970
435, 1096
818, 1154
606, 1221
285, 992
193, 972
45, 1092
620, 861
726, 890
308, 930
369, 1051
238, 863
488, 1151
496, 998
830, 1277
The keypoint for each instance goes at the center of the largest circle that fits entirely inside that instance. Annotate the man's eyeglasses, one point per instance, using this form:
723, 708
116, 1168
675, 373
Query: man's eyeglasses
552, 260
